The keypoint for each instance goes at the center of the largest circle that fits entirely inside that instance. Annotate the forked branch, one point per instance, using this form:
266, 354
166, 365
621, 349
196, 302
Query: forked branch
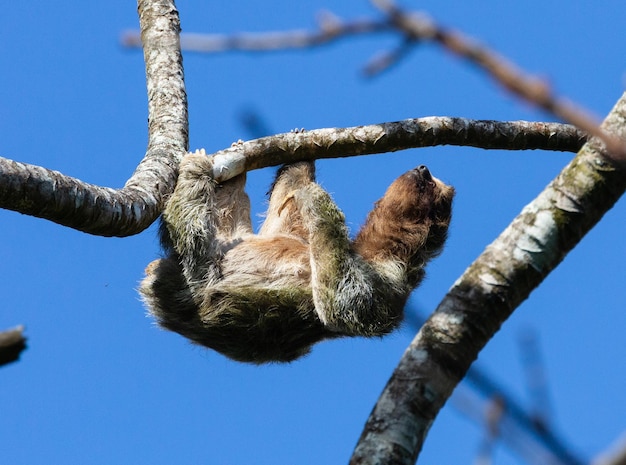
104, 211
40, 192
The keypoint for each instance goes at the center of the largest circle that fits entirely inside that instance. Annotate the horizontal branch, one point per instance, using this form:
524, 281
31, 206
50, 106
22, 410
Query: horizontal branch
390, 137
498, 281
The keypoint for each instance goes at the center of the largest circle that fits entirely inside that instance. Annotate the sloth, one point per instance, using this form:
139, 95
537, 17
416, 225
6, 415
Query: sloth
268, 297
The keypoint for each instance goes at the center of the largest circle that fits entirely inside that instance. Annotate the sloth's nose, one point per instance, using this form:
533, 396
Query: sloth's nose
424, 172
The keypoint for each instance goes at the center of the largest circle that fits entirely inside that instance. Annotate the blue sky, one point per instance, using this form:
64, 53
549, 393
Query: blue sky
101, 384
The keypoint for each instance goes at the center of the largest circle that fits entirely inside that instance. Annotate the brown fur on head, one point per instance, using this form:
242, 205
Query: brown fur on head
410, 223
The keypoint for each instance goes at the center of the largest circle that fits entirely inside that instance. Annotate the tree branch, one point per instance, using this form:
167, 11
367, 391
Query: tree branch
104, 211
503, 418
485, 295
390, 137
330, 28
48, 194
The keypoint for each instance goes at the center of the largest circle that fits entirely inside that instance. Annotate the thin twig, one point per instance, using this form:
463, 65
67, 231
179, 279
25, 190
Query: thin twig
330, 29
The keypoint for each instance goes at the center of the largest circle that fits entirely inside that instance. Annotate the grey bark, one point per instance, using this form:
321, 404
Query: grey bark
485, 295
390, 137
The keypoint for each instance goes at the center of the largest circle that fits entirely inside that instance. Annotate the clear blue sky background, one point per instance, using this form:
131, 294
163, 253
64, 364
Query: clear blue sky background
100, 384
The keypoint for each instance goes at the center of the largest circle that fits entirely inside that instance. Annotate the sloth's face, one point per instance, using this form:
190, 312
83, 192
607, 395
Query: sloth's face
422, 178
417, 195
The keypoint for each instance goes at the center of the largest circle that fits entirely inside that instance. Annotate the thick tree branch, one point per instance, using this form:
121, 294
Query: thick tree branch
99, 210
485, 295
503, 418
